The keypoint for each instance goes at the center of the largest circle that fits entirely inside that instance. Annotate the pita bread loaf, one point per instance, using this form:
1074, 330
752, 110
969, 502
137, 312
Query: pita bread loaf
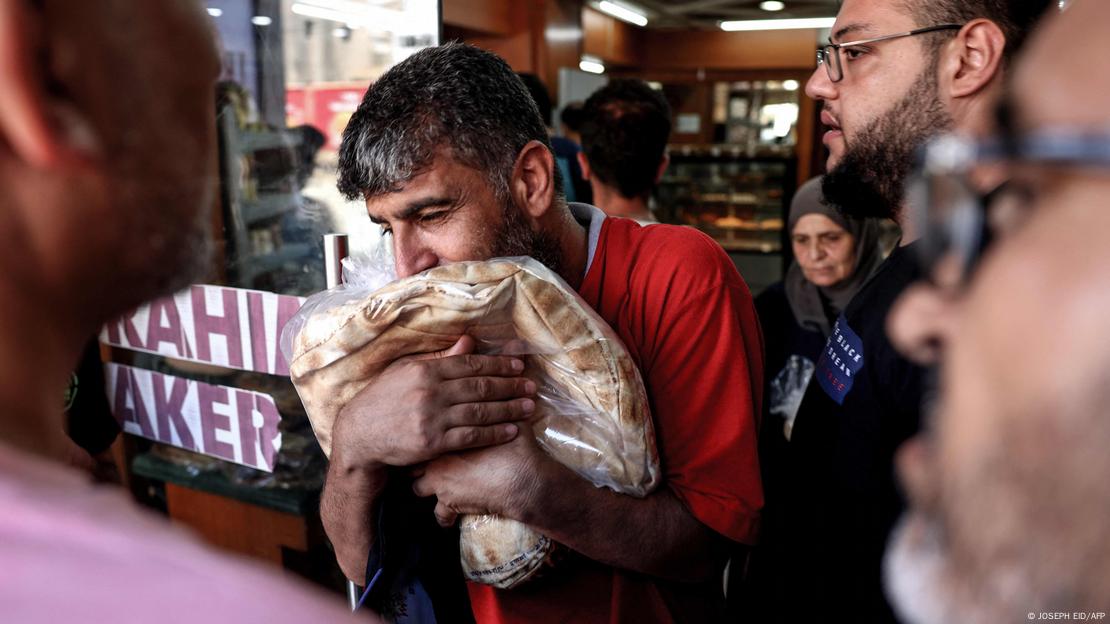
591, 410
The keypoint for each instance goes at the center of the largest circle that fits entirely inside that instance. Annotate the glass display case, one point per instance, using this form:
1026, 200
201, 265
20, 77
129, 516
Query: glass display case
757, 115
735, 182
740, 201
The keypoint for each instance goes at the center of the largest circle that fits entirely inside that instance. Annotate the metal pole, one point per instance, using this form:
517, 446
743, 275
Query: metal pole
353, 593
335, 250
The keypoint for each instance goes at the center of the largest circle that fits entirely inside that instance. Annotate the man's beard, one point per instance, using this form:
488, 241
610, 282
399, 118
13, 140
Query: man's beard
914, 567
984, 551
869, 181
927, 583
515, 237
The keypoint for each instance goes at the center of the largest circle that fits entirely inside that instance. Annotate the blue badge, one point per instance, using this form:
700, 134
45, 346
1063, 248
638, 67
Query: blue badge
840, 360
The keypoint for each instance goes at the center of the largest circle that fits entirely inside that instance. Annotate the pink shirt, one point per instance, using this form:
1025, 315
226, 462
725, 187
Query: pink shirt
73, 552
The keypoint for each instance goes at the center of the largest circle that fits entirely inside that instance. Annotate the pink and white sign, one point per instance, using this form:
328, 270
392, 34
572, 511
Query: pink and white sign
229, 327
229, 423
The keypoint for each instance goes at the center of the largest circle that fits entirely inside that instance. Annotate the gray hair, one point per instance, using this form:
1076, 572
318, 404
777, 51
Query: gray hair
453, 96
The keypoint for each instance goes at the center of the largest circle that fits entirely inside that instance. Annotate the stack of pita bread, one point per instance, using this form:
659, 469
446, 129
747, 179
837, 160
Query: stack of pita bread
591, 412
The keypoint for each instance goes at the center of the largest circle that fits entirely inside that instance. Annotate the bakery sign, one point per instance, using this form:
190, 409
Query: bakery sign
229, 423
227, 327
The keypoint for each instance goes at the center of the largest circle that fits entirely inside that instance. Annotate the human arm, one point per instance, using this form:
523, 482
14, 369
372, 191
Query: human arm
701, 366
416, 410
348, 506
518, 480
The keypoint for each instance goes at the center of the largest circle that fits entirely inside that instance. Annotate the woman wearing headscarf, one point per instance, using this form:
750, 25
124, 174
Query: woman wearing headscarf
833, 257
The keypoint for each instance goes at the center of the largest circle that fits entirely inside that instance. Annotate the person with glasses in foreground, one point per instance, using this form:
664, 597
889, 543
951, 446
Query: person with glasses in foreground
1010, 513
893, 75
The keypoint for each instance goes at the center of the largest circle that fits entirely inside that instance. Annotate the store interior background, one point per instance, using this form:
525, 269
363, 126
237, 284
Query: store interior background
744, 137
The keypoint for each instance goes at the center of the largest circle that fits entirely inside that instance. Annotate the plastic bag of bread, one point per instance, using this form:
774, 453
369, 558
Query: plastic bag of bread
591, 411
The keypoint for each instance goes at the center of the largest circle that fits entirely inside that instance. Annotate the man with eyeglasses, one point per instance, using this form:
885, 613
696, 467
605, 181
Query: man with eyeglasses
893, 75
1010, 511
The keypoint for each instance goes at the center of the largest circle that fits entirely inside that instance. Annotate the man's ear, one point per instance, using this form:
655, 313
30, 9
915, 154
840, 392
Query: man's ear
533, 182
584, 165
970, 62
663, 164
40, 130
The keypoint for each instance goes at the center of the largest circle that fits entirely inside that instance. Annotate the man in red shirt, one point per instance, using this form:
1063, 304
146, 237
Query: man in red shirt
451, 158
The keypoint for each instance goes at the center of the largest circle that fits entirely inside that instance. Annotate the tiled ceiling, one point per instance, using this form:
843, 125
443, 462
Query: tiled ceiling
707, 13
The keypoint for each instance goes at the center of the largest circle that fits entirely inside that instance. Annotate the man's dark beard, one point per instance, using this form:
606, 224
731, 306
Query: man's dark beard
870, 179
515, 237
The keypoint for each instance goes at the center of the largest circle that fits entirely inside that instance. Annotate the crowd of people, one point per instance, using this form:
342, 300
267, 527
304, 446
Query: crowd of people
911, 438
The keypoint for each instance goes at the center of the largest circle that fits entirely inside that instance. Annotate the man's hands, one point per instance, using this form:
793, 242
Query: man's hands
518, 480
422, 407
418, 409
451, 416
503, 479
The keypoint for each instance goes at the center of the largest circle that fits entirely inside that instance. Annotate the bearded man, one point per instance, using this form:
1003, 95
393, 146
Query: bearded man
1008, 501
451, 158
893, 75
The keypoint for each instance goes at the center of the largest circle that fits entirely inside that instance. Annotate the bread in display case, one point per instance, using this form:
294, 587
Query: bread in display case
738, 200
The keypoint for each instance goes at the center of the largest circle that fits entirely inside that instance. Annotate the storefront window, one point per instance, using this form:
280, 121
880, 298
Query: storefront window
294, 72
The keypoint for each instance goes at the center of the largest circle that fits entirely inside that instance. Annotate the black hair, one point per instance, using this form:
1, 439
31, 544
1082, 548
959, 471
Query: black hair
1015, 18
625, 129
539, 94
571, 116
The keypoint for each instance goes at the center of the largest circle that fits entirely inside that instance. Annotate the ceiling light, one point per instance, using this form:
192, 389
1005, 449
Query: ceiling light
308, 10
261, 20
790, 85
779, 24
592, 65
351, 14
623, 12
772, 5
562, 34
214, 12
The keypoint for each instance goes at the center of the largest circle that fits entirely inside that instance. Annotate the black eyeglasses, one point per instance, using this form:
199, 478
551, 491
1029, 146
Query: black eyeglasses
952, 213
829, 54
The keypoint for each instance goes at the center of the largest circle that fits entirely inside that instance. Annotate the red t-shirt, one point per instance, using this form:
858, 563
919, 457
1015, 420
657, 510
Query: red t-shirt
687, 318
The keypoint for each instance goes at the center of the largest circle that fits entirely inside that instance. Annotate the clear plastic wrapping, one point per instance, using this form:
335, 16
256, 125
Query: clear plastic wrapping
591, 413
788, 388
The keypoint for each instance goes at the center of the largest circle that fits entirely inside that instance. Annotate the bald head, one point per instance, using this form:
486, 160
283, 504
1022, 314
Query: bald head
107, 172
1060, 80
107, 149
